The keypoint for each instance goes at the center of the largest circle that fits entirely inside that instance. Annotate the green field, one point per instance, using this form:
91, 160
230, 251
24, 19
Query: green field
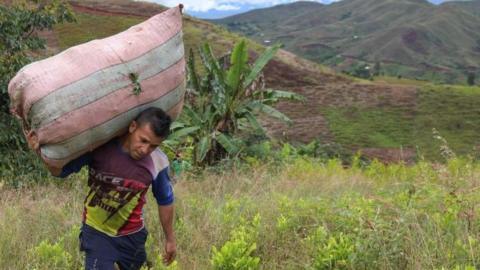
303, 214
452, 110
93, 26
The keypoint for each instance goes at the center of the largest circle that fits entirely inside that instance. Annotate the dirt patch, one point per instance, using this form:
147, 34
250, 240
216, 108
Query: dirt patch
117, 8
303, 129
322, 90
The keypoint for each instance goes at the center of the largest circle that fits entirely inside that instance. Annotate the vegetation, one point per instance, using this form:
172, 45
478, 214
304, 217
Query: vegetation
299, 214
225, 102
451, 110
87, 28
471, 78
366, 127
19, 25
18, 36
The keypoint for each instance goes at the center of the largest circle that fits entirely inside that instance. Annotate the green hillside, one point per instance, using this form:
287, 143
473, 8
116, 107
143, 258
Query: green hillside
409, 38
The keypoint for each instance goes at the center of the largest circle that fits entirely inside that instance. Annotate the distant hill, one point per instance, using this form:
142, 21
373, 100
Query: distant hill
409, 38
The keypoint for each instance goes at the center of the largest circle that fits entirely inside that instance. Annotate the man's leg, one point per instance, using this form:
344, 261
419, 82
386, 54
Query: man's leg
131, 250
100, 254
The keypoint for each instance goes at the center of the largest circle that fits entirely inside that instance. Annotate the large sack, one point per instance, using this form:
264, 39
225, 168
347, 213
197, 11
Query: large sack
88, 94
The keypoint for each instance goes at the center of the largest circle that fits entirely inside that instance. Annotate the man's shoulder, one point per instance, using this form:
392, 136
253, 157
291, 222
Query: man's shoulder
160, 160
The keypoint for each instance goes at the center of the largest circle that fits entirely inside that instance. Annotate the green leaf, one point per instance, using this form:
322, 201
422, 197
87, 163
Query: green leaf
269, 110
254, 123
176, 125
260, 64
238, 63
217, 83
170, 142
192, 116
276, 95
183, 132
202, 148
227, 142
192, 73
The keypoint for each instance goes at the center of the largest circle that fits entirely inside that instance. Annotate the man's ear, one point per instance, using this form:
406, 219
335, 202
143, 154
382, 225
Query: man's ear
132, 127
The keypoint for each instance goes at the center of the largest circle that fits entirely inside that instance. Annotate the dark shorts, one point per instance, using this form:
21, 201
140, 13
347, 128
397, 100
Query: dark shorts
102, 251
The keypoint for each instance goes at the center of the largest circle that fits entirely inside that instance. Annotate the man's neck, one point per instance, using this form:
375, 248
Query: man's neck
124, 142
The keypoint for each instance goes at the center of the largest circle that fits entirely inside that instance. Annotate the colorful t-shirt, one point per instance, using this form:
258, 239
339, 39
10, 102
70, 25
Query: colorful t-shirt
118, 184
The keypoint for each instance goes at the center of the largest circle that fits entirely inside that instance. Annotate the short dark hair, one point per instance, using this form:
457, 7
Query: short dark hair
159, 121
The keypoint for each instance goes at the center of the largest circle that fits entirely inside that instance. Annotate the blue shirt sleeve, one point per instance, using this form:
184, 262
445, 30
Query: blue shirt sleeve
76, 165
162, 188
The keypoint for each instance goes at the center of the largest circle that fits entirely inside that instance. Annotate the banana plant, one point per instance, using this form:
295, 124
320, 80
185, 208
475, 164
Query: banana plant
221, 104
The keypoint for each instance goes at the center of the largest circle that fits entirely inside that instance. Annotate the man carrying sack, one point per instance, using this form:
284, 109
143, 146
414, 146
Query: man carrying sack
108, 104
120, 173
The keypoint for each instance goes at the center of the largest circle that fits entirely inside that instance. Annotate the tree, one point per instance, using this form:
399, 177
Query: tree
222, 103
471, 78
361, 71
19, 25
377, 69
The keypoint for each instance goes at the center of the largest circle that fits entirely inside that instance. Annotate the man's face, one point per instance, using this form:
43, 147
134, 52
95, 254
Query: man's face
142, 140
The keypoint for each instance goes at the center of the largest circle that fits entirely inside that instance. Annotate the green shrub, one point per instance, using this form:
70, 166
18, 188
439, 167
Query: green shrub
50, 256
331, 252
237, 253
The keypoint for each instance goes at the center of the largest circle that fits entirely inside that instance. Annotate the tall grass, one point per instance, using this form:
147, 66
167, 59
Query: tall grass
303, 214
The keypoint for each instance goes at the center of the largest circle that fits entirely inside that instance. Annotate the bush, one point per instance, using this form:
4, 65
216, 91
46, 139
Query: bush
236, 253
331, 252
50, 256
19, 25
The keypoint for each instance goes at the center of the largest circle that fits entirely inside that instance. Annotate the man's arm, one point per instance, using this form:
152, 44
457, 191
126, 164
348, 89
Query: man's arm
166, 214
163, 192
72, 167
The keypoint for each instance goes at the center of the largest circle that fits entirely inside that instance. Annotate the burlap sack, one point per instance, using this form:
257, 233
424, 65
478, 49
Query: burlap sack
88, 94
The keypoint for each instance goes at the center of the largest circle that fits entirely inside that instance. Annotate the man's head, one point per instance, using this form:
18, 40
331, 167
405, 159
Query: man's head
146, 132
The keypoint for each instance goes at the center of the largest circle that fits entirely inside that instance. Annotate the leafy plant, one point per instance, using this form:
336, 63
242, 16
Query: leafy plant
224, 102
19, 25
331, 252
51, 256
236, 253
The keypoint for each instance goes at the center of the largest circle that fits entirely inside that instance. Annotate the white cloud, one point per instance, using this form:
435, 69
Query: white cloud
206, 5
227, 7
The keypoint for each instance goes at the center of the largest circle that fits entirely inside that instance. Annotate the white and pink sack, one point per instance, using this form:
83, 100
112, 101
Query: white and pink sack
86, 95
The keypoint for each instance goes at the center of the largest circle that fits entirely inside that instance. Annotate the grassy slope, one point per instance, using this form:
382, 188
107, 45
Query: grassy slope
391, 217
451, 110
93, 26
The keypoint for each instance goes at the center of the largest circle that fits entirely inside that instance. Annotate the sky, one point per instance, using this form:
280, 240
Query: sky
211, 9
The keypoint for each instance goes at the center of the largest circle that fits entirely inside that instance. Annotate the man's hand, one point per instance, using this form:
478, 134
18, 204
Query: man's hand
33, 143
170, 252
166, 214
32, 140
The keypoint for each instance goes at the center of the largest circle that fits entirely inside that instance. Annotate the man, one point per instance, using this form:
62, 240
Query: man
120, 173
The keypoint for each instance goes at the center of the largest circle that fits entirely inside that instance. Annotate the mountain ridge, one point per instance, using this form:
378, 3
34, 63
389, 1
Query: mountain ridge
423, 40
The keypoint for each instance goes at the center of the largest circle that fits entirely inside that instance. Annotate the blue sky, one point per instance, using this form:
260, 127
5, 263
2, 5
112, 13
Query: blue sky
209, 9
